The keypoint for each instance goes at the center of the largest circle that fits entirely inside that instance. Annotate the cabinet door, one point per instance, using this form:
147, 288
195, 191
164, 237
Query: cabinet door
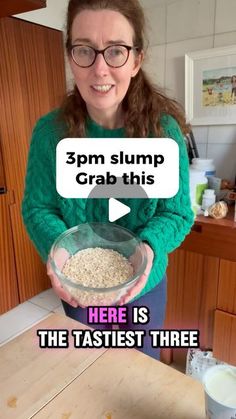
224, 343
32, 82
192, 296
227, 287
13, 7
9, 293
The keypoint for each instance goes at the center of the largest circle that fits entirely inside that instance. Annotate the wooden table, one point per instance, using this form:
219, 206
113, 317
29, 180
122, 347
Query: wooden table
90, 383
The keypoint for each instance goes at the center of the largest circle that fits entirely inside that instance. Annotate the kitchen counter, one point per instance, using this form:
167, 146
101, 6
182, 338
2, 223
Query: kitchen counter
228, 221
213, 237
90, 383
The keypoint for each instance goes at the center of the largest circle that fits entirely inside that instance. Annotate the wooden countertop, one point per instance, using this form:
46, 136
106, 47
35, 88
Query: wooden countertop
228, 221
213, 237
90, 383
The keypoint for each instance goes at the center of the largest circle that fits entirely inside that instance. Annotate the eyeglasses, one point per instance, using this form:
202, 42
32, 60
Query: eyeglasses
114, 55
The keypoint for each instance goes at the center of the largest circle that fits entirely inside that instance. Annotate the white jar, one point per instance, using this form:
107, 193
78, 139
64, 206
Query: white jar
206, 165
198, 183
208, 198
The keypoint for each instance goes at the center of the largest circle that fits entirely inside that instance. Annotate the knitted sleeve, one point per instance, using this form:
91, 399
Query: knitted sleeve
173, 217
40, 211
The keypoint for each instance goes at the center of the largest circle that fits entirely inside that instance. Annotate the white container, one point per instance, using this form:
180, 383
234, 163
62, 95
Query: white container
198, 183
205, 165
220, 392
208, 198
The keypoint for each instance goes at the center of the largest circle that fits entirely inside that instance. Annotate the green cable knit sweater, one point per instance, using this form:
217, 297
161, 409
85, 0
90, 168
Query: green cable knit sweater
163, 223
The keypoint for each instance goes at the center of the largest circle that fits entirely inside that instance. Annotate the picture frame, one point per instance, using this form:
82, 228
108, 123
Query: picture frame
210, 86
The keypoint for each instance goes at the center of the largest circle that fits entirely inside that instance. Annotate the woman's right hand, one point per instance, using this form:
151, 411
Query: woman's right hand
61, 257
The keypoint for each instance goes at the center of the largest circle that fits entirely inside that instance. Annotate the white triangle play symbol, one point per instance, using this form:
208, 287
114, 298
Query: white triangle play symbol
117, 209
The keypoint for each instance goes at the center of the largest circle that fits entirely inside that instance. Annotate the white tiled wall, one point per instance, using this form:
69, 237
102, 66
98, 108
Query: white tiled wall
156, 24
225, 16
175, 51
176, 27
190, 19
155, 63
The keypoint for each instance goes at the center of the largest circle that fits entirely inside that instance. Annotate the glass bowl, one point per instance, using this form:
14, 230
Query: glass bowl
102, 235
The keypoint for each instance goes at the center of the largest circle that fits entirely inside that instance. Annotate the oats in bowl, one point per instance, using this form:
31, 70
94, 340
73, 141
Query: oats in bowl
98, 268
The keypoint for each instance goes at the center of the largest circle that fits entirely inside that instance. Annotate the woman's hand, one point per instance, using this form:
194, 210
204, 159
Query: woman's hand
61, 257
137, 288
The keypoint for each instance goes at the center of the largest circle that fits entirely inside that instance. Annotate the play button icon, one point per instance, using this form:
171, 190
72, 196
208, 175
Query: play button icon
109, 203
117, 209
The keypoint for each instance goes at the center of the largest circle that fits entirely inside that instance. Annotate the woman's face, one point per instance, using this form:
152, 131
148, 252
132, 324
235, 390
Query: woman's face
100, 29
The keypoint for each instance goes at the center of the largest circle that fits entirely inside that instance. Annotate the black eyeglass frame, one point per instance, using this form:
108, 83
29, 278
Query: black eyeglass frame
102, 51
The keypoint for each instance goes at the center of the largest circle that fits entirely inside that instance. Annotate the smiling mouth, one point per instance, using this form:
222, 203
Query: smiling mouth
103, 88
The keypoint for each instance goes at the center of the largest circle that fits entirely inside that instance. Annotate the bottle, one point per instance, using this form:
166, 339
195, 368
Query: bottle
208, 198
214, 183
206, 165
198, 183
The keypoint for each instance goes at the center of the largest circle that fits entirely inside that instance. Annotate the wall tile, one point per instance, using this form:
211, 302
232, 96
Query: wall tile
175, 52
153, 3
225, 39
222, 134
202, 150
225, 16
189, 19
200, 134
156, 24
154, 64
224, 156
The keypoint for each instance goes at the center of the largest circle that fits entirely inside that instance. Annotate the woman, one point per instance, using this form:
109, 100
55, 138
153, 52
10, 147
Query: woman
112, 97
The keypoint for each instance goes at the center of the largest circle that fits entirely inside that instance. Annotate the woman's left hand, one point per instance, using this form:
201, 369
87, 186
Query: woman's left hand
137, 288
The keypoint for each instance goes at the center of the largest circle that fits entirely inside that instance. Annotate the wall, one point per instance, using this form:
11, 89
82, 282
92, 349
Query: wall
180, 26
175, 28
53, 16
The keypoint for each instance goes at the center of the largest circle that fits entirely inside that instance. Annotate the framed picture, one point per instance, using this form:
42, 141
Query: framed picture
210, 86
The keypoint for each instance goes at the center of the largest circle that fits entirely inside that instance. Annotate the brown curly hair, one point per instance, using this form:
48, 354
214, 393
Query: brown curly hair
144, 102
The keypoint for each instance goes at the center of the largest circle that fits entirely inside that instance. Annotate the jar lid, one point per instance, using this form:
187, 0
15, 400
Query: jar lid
196, 171
197, 160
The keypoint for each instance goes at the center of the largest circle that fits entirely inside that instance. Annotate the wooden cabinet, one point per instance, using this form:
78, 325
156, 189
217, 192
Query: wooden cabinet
32, 82
13, 7
224, 343
227, 287
202, 289
9, 296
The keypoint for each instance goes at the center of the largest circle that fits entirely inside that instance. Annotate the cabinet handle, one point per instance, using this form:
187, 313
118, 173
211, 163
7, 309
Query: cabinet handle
197, 228
2, 190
